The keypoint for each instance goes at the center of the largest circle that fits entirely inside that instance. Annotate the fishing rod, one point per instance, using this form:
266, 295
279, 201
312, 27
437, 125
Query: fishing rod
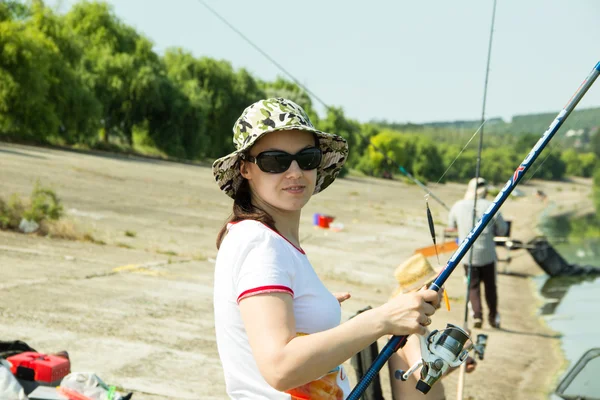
463, 367
397, 342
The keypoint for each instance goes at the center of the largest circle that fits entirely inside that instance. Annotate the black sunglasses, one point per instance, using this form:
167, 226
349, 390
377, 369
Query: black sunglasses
278, 161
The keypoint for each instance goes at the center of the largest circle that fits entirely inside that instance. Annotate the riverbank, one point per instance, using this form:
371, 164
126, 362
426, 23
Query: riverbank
138, 309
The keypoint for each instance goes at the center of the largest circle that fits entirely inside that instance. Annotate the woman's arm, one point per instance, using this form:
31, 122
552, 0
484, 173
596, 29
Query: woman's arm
287, 361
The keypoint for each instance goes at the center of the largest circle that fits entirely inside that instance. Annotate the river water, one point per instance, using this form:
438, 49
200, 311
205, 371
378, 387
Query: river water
573, 304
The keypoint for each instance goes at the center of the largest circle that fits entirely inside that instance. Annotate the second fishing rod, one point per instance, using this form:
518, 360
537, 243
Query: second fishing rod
397, 342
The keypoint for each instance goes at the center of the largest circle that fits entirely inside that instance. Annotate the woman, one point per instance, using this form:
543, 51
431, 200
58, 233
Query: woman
278, 328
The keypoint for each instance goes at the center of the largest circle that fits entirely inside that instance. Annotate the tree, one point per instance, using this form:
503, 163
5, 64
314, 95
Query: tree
75, 105
572, 162
595, 142
390, 144
427, 159
222, 92
597, 189
123, 70
11, 10
25, 59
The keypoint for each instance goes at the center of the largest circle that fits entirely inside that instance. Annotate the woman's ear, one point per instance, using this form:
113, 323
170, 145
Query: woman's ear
244, 170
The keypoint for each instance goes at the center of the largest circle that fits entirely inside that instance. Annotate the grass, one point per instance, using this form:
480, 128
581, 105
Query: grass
129, 233
166, 252
44, 208
88, 237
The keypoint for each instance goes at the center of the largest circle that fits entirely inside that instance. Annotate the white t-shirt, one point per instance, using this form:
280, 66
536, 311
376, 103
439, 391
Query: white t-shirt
254, 259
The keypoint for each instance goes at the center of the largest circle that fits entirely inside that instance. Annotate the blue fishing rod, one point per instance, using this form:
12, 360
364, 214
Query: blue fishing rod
397, 342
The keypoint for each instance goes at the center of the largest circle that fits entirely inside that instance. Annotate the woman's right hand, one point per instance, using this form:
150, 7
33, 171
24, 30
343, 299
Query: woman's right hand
409, 313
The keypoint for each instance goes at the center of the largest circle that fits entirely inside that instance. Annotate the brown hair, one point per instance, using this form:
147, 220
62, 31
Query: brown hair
244, 209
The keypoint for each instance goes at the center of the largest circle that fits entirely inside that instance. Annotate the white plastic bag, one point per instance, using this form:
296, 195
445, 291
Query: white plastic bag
89, 385
10, 388
27, 226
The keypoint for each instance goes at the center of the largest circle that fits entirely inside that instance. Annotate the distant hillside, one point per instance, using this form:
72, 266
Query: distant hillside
587, 119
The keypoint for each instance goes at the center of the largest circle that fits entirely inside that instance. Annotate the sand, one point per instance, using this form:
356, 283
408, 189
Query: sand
138, 310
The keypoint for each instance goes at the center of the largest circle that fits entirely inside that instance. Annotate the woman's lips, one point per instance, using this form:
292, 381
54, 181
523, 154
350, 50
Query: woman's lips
296, 189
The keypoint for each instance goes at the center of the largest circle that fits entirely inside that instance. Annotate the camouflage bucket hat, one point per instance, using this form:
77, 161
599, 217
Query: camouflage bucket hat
271, 115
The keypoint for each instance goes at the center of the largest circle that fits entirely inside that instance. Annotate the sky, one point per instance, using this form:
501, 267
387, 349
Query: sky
401, 61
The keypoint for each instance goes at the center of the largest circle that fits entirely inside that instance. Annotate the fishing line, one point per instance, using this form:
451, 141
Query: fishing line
463, 149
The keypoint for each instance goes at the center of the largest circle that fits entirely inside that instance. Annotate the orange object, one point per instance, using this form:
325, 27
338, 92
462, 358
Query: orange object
446, 300
71, 394
441, 248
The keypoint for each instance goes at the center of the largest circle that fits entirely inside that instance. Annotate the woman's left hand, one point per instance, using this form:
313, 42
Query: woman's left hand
341, 296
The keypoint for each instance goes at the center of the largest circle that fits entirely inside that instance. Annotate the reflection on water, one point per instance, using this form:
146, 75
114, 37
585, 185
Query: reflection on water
573, 303
554, 289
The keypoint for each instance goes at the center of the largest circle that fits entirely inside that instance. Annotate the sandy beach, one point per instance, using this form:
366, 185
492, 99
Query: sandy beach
138, 310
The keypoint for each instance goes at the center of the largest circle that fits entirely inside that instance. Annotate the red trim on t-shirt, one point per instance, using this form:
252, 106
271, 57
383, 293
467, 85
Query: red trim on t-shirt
265, 289
296, 247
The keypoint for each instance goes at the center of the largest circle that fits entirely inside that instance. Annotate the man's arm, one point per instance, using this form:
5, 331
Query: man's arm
452, 218
500, 225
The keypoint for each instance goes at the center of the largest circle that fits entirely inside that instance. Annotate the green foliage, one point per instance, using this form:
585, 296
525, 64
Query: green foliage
25, 79
579, 164
120, 66
42, 205
11, 212
595, 143
597, 189
88, 79
395, 146
12, 10
426, 162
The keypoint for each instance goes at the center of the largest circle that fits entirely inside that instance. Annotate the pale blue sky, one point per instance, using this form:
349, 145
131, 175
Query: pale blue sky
404, 61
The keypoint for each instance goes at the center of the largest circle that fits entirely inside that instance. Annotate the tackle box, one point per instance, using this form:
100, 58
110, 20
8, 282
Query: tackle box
46, 369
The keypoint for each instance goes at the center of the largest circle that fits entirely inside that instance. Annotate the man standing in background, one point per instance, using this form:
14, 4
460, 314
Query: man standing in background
484, 249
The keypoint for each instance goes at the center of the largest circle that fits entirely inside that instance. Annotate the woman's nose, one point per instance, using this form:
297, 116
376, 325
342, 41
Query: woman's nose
294, 171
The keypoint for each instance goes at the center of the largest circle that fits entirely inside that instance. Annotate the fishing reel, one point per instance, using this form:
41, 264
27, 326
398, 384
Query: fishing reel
440, 351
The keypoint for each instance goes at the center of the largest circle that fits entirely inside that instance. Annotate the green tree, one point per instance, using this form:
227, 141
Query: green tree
25, 75
595, 142
427, 160
13, 10
588, 163
572, 162
73, 100
123, 70
390, 144
597, 188
220, 91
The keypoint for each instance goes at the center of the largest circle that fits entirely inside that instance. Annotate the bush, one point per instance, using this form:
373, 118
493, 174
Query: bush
43, 205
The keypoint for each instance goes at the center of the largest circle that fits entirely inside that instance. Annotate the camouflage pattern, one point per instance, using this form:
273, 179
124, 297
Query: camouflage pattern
270, 115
